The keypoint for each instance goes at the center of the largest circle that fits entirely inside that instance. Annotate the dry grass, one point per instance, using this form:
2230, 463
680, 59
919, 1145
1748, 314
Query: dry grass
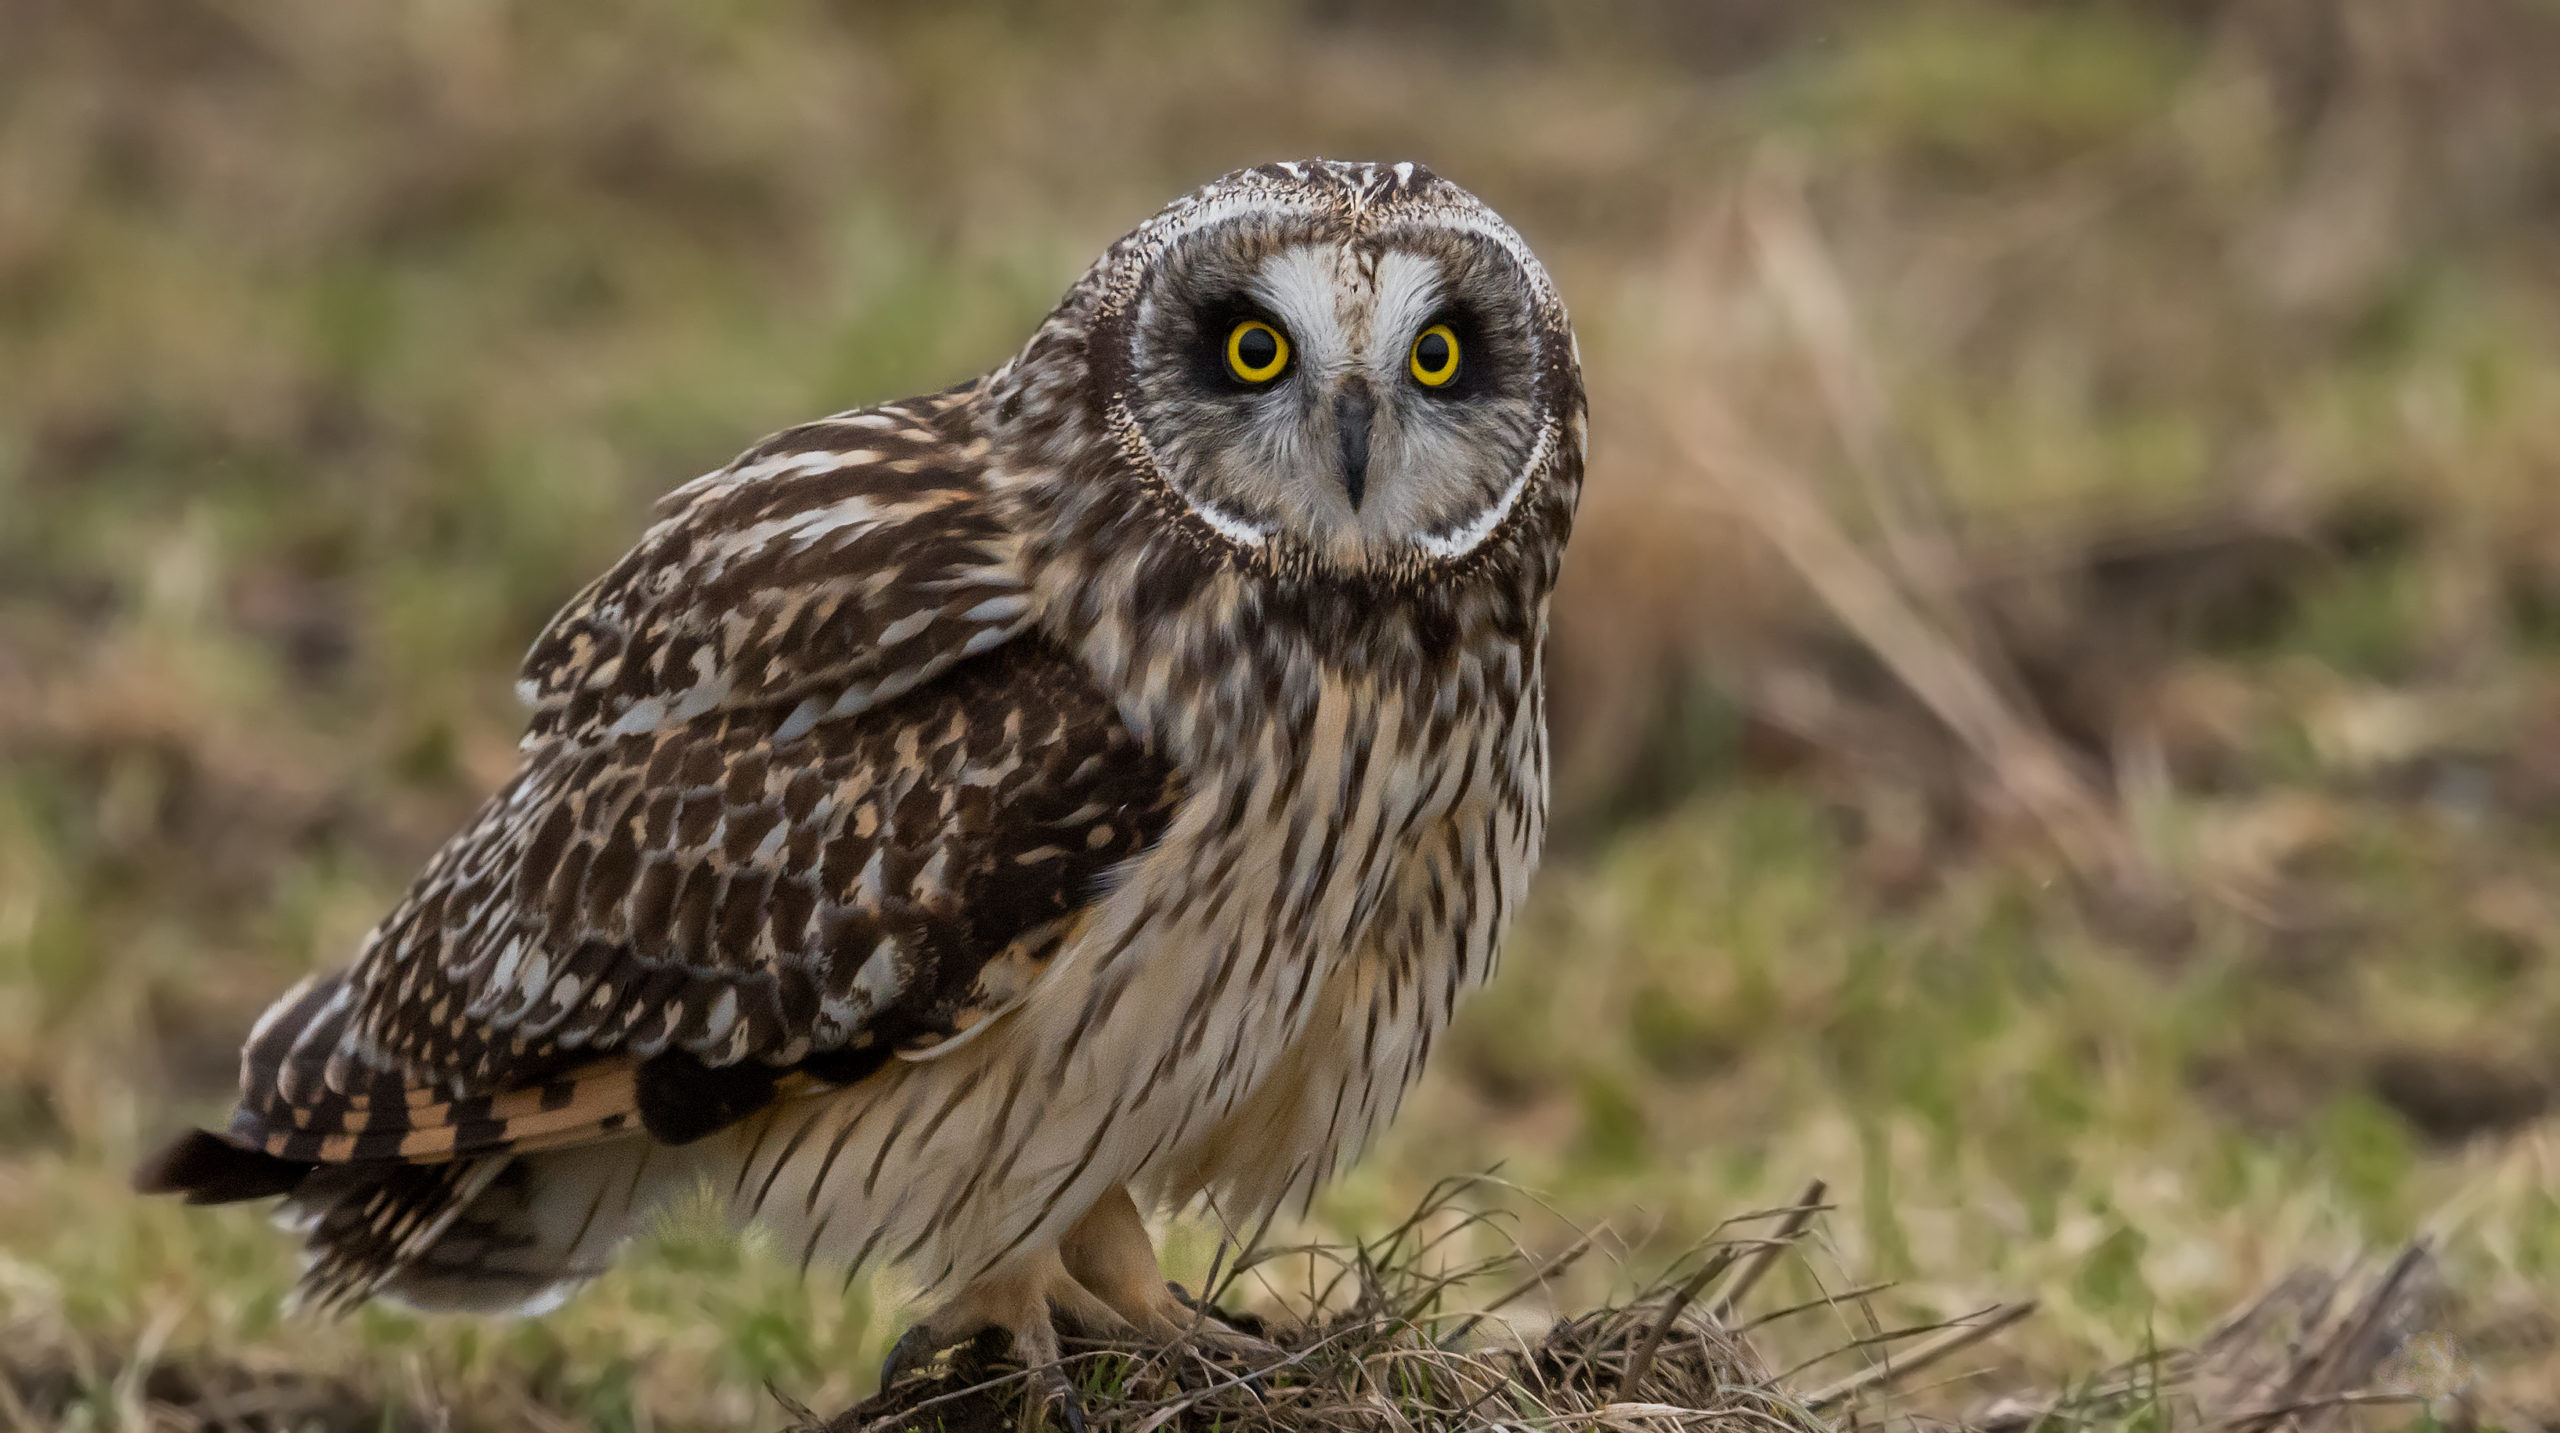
1399, 1332
1382, 1338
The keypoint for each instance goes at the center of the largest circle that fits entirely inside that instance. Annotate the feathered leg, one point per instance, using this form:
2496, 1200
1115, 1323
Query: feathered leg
1110, 1254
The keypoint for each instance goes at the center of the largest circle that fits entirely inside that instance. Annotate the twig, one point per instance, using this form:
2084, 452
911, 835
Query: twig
1538, 1278
1642, 1364
1797, 268
1826, 1301
1757, 1265
1419, 1305
2261, 1417
887, 1421
2028, 764
21, 1418
801, 1416
2322, 1370
1163, 1415
1928, 1351
1214, 1289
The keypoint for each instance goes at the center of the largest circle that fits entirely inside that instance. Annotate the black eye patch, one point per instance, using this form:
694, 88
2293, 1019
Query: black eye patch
1482, 360
1218, 351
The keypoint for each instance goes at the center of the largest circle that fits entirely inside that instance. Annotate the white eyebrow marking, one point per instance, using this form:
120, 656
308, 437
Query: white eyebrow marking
1298, 284
1408, 293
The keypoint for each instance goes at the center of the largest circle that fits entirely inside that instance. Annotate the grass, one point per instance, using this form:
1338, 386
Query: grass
2217, 347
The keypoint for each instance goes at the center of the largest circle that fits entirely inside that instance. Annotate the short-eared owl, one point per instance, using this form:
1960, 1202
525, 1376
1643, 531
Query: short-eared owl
962, 824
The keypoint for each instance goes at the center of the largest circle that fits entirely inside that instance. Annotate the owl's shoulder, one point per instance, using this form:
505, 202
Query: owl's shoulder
836, 564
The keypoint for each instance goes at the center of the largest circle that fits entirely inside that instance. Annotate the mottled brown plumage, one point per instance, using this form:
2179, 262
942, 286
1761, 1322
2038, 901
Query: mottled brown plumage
850, 559
960, 823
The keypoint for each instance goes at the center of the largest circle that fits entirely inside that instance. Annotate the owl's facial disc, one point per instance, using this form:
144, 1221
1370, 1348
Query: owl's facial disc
1369, 398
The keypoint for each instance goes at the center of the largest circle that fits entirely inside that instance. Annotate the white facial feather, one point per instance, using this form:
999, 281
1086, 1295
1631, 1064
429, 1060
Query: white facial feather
1408, 294
1472, 535
1303, 287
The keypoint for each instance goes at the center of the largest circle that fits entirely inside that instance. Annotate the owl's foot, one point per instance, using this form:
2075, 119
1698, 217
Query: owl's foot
1110, 1255
1036, 1344
1214, 1324
1027, 1305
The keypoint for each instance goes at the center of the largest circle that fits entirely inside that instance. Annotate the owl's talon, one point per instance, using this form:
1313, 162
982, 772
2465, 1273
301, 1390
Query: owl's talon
1059, 1392
1215, 1328
914, 1349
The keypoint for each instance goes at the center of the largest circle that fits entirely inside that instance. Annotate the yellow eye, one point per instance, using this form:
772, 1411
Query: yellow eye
1435, 356
1256, 352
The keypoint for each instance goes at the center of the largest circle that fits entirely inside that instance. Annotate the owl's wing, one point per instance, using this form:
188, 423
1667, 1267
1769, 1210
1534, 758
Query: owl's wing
831, 567
668, 926
667, 923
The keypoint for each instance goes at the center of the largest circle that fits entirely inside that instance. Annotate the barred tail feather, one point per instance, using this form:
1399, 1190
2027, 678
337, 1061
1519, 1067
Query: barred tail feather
366, 1224
500, 1234
209, 1169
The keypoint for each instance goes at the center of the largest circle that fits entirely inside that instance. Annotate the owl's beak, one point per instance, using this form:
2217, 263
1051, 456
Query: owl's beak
1352, 409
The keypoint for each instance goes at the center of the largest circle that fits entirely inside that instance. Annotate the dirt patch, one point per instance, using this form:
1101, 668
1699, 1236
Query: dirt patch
2448, 1096
56, 1388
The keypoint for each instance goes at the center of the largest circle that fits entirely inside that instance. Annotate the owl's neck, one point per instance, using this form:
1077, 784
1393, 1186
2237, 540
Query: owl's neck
1216, 661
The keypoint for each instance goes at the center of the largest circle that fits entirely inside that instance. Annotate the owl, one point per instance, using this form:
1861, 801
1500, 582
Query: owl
960, 826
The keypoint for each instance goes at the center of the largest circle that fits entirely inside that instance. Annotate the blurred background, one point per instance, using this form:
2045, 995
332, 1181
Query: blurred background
2057, 682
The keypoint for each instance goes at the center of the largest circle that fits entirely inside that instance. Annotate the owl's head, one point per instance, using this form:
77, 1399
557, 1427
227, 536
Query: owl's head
1352, 366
